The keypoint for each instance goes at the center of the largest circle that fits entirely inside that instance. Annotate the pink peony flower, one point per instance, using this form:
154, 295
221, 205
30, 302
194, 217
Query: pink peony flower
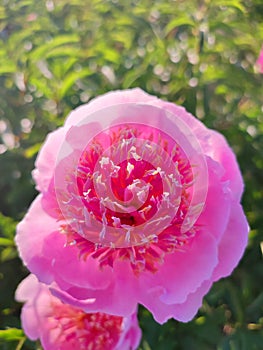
139, 203
260, 61
63, 327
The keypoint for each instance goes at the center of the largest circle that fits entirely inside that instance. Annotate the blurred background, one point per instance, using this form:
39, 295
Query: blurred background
56, 55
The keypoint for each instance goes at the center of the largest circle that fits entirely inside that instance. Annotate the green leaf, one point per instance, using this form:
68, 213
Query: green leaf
6, 242
11, 334
177, 22
7, 226
31, 151
71, 79
8, 253
231, 3
43, 49
7, 67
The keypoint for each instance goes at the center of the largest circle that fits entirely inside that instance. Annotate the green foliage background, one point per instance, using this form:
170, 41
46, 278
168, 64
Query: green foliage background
58, 54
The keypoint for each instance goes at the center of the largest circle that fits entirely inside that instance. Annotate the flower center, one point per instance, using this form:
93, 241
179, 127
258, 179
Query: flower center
128, 197
84, 331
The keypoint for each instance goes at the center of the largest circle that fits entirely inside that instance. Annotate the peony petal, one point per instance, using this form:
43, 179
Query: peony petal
78, 272
110, 300
79, 136
31, 233
215, 215
233, 242
29, 320
222, 153
131, 336
213, 144
46, 159
111, 98
180, 112
182, 272
28, 290
182, 312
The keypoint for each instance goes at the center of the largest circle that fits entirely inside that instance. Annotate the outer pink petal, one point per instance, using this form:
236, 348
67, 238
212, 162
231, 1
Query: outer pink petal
222, 153
111, 98
119, 298
183, 312
46, 159
27, 291
194, 124
31, 233
233, 243
79, 136
213, 144
182, 273
37, 306
30, 320
50, 202
132, 333
76, 271
43, 251
215, 215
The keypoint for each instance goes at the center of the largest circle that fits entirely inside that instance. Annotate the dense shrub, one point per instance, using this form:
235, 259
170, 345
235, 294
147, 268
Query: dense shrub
56, 55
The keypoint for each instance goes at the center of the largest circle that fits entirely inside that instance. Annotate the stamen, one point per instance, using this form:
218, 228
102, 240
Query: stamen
89, 331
